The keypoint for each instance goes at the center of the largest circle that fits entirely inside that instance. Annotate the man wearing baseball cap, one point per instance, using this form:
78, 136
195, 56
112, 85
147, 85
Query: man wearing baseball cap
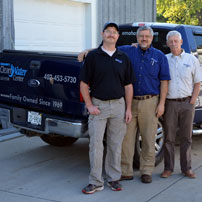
109, 75
110, 24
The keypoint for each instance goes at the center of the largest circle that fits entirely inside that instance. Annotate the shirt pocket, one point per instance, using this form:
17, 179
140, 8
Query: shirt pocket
154, 68
185, 72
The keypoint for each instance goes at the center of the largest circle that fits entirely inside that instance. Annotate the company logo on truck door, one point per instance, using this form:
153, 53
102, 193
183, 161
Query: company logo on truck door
16, 73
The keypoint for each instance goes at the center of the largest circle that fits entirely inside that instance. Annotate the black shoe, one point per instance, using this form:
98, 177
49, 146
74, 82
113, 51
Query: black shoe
91, 188
146, 178
115, 185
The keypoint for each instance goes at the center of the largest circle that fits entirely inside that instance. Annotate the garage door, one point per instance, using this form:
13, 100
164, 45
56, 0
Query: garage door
50, 25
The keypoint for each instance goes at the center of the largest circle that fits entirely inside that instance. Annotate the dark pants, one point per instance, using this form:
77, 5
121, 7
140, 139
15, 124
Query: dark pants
178, 116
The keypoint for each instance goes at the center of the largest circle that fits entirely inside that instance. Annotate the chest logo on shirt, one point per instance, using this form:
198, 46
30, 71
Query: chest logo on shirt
153, 61
187, 65
119, 61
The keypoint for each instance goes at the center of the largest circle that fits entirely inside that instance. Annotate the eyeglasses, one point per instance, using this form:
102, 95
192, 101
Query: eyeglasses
145, 36
111, 32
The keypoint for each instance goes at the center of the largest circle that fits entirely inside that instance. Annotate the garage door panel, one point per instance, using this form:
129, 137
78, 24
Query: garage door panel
49, 25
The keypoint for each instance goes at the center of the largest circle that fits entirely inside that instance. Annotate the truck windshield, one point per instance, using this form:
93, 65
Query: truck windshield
128, 36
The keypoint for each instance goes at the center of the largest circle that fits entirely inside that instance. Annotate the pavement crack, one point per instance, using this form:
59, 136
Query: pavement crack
163, 190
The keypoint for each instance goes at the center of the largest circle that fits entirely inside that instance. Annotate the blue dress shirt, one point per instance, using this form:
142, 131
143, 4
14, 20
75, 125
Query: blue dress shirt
150, 68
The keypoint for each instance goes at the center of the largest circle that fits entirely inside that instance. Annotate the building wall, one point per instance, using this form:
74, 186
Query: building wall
93, 16
7, 36
124, 11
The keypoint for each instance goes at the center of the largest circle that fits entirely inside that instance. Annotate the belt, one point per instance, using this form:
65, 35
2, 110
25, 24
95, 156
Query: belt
144, 97
179, 99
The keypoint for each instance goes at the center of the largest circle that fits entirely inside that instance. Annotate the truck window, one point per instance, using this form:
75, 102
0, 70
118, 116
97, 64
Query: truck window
128, 36
198, 39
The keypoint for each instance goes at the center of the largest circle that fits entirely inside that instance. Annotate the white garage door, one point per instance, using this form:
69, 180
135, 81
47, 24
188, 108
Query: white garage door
50, 25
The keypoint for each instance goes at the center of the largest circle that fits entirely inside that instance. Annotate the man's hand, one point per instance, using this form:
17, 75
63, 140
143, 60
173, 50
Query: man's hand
192, 101
134, 45
82, 55
160, 110
128, 116
93, 110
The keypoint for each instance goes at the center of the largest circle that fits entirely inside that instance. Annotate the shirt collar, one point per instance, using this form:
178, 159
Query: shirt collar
181, 55
148, 50
100, 51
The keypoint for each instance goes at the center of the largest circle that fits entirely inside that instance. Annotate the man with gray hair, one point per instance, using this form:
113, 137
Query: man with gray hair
183, 90
150, 89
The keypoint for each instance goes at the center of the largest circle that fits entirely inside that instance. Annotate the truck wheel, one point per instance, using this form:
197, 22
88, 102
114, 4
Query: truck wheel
58, 140
158, 146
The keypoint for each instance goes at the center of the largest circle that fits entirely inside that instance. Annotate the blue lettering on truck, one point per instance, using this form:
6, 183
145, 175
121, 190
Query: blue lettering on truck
16, 73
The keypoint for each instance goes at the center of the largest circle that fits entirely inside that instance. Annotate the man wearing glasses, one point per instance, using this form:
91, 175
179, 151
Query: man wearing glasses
150, 89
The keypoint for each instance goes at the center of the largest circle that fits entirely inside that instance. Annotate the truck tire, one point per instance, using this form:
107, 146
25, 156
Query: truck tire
58, 140
158, 146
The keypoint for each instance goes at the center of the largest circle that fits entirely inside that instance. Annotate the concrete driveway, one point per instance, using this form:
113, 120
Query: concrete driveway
32, 171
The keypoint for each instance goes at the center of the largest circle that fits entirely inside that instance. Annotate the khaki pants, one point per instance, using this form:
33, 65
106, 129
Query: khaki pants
111, 117
144, 118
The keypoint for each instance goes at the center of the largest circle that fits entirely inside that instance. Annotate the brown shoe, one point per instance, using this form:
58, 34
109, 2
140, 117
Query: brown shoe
166, 174
189, 174
146, 178
123, 177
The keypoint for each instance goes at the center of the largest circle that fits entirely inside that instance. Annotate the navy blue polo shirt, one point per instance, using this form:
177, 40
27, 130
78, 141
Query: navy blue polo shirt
150, 68
107, 75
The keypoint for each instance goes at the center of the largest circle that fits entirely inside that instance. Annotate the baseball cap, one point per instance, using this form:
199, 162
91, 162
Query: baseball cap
110, 24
